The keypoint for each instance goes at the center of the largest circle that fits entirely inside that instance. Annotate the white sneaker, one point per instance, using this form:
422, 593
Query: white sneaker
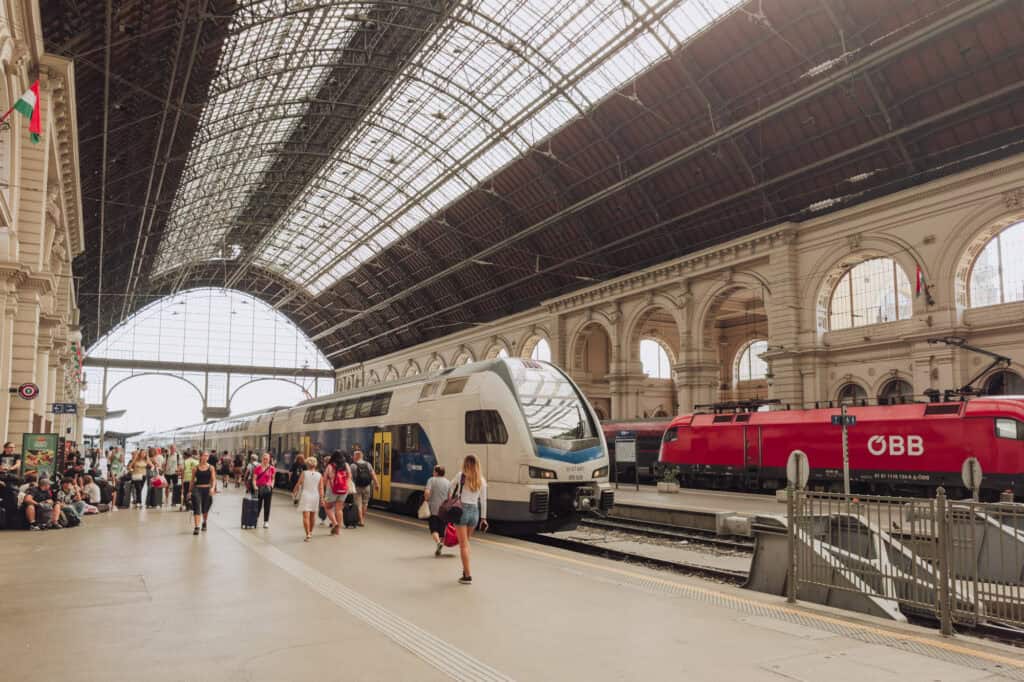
266, 524
322, 522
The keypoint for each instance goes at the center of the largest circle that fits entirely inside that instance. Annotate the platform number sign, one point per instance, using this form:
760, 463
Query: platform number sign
843, 420
28, 391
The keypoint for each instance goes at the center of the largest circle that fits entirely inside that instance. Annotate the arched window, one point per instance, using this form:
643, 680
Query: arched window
852, 394
502, 354
872, 292
541, 351
997, 275
1004, 383
895, 392
749, 366
654, 360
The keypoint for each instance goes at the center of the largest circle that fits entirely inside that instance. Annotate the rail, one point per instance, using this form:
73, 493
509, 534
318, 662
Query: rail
958, 561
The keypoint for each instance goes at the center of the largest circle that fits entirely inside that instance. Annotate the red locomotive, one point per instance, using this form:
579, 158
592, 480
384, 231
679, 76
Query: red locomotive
895, 447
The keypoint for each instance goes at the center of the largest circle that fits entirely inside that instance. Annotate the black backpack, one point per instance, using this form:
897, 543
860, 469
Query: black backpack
362, 477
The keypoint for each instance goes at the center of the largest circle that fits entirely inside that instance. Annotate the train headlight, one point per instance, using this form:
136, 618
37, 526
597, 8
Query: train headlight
537, 472
601, 472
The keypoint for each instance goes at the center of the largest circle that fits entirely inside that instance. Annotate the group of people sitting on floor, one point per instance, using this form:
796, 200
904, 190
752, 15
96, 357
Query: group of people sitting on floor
64, 507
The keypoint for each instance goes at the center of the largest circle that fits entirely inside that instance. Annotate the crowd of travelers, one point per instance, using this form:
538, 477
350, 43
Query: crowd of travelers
335, 487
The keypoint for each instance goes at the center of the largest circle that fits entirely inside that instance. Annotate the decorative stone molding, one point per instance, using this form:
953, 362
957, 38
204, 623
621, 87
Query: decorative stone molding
1014, 198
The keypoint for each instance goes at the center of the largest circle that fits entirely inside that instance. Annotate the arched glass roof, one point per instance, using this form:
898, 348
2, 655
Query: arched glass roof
491, 80
211, 326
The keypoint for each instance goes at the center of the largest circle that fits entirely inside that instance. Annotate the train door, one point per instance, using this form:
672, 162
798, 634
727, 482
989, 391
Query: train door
752, 450
382, 465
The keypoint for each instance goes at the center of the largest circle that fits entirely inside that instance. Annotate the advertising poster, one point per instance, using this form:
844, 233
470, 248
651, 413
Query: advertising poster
39, 454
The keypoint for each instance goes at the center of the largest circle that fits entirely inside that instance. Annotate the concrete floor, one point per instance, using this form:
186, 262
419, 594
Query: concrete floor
706, 500
133, 595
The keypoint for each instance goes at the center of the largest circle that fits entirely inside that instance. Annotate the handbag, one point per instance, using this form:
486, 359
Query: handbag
451, 538
451, 509
424, 511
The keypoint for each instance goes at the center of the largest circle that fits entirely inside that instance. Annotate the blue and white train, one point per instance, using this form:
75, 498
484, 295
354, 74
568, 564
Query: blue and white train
538, 439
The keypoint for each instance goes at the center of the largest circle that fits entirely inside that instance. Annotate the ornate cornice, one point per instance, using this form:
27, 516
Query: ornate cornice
714, 258
44, 283
58, 74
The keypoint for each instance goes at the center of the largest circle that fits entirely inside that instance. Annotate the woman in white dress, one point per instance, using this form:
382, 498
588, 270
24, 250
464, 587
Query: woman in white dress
310, 495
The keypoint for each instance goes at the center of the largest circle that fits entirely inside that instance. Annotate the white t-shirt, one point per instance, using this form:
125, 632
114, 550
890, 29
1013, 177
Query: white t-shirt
172, 464
92, 492
471, 497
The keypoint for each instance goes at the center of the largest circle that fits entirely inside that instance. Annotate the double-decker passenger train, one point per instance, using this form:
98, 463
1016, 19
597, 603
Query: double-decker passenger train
893, 447
537, 438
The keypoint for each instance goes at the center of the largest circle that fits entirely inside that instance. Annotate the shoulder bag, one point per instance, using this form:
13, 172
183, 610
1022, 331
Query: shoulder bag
451, 509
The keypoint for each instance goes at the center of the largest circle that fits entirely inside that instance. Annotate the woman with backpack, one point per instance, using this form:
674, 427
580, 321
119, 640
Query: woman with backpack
263, 480
336, 487
309, 491
471, 489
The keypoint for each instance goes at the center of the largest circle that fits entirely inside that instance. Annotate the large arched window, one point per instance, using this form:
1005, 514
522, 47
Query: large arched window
654, 360
997, 275
895, 392
852, 394
749, 366
1004, 383
195, 329
541, 351
872, 292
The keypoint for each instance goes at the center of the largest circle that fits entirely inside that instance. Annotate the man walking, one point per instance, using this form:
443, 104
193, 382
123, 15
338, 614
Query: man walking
172, 472
365, 479
188, 472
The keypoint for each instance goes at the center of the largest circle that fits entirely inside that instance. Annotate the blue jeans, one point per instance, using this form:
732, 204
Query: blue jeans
470, 516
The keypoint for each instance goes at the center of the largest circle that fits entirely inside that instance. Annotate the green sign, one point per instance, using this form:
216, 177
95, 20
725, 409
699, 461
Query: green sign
39, 454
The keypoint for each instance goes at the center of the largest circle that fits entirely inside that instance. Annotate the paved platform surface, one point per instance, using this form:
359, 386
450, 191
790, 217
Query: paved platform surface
701, 500
133, 595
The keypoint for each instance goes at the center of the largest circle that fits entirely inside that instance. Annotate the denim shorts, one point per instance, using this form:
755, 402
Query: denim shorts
470, 516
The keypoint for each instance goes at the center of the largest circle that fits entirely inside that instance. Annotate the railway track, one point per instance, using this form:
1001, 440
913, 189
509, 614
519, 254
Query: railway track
665, 531
687, 568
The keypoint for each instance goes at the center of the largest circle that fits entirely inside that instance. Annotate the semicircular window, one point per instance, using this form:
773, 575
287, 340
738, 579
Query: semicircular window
872, 292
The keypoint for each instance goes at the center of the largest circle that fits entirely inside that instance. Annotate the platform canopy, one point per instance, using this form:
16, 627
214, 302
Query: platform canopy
384, 173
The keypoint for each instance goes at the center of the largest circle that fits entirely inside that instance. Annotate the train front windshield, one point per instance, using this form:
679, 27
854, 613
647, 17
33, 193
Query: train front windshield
554, 410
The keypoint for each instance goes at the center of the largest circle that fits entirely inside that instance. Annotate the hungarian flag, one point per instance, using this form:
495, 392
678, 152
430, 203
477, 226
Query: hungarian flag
921, 284
28, 106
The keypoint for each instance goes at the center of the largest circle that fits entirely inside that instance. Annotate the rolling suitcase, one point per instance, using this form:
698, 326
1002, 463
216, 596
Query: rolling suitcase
154, 497
176, 495
124, 494
250, 512
350, 515
106, 493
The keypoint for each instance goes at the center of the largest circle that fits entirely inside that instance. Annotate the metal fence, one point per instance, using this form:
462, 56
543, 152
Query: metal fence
956, 561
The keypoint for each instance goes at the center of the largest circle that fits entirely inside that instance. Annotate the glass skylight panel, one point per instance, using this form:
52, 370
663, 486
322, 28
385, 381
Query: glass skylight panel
498, 79
273, 61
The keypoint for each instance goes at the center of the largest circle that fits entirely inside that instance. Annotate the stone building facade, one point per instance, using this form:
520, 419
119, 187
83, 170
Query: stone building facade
801, 291
41, 232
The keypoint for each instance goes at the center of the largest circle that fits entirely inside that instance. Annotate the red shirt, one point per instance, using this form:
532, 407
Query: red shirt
265, 476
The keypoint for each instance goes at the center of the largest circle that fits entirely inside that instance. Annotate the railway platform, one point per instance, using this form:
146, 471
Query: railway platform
134, 594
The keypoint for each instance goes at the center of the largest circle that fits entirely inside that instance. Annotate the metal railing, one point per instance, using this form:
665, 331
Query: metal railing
956, 561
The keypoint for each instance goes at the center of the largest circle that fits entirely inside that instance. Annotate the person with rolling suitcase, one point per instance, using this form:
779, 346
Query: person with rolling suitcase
337, 477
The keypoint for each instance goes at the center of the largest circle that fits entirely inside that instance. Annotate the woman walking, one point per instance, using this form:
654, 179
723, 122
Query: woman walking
263, 477
471, 488
204, 487
309, 491
337, 477
138, 467
435, 494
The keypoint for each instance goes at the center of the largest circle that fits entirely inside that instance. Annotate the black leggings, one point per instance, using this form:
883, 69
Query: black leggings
137, 487
202, 498
265, 496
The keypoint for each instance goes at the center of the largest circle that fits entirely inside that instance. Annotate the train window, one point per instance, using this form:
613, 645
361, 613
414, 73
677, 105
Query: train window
1009, 428
350, 409
380, 404
722, 419
948, 408
364, 408
338, 411
453, 386
485, 426
671, 435
308, 418
743, 417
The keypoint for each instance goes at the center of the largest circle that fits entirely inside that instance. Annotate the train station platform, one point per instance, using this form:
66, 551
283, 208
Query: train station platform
707, 500
133, 594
